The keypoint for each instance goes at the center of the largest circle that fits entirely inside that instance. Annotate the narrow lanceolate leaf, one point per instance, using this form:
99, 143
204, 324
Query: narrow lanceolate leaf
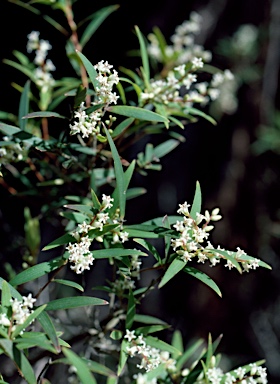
150, 248
43, 114
119, 175
8, 129
13, 291
197, 112
122, 126
99, 368
175, 267
20, 360
196, 205
36, 271
123, 356
151, 329
204, 278
144, 56
24, 105
116, 252
69, 283
137, 113
177, 341
65, 239
82, 370
131, 193
162, 345
6, 295
146, 319
189, 353
95, 201
28, 321
90, 69
48, 327
166, 147
131, 309
74, 302
97, 19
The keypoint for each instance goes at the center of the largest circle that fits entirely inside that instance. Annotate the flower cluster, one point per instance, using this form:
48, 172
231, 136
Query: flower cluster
12, 152
88, 124
20, 312
181, 85
183, 49
106, 80
193, 232
150, 357
255, 374
43, 77
79, 252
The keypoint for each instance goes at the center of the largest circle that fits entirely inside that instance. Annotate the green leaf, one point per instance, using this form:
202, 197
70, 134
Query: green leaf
74, 302
196, 205
95, 201
122, 127
204, 278
69, 283
8, 129
116, 252
43, 114
197, 112
99, 368
131, 193
123, 356
80, 96
24, 105
189, 353
137, 113
29, 73
177, 341
148, 231
177, 122
90, 70
83, 371
228, 257
161, 42
86, 209
150, 248
166, 147
144, 56
6, 295
48, 327
131, 310
13, 291
119, 175
36, 271
116, 334
146, 319
151, 329
97, 19
162, 345
28, 321
65, 239
20, 360
175, 267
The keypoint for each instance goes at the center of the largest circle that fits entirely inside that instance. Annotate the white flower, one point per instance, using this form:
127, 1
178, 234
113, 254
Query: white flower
130, 335
197, 63
4, 320
184, 208
107, 201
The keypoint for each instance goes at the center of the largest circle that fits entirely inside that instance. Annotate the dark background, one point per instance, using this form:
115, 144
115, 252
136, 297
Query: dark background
245, 186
